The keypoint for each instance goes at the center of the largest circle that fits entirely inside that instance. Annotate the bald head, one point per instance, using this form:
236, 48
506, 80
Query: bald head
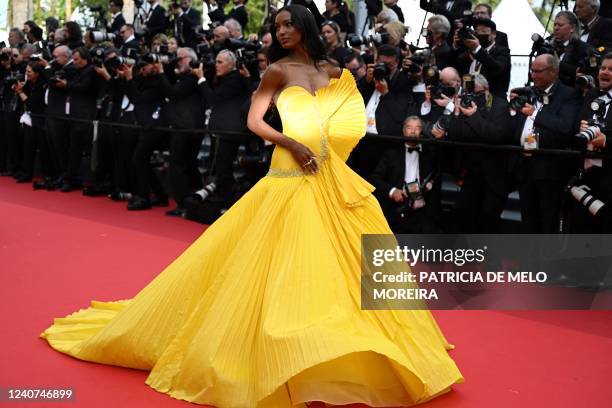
450, 77
62, 54
544, 71
220, 34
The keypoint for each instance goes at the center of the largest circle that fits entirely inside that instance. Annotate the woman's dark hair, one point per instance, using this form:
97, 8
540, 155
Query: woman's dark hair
305, 23
74, 32
36, 67
35, 31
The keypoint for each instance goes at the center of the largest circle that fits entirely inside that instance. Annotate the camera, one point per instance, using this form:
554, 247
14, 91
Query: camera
420, 59
381, 71
99, 36
246, 58
378, 38
97, 56
467, 32
468, 96
152, 58
584, 82
525, 95
597, 123
13, 78
541, 46
36, 57
113, 63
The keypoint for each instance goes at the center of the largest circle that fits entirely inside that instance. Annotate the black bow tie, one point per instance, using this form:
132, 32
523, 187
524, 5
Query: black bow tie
413, 149
585, 29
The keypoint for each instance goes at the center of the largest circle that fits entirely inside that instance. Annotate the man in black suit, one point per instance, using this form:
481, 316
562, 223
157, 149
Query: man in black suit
451, 9
239, 13
186, 20
145, 92
483, 55
117, 19
570, 50
56, 128
595, 30
156, 21
185, 111
129, 41
438, 30
485, 11
229, 91
82, 87
485, 188
407, 182
590, 217
388, 102
605, 9
549, 123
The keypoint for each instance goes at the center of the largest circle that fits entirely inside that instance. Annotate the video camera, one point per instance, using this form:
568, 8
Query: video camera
543, 46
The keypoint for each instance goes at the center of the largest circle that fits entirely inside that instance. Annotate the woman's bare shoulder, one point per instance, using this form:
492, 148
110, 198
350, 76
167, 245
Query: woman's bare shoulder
333, 70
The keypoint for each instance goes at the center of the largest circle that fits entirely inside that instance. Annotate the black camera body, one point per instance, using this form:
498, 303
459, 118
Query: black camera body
468, 96
97, 56
381, 71
13, 78
597, 123
525, 95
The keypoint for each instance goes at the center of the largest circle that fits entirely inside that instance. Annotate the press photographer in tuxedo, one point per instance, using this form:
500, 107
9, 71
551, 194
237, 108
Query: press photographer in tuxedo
407, 182
483, 119
591, 202
595, 30
548, 122
570, 49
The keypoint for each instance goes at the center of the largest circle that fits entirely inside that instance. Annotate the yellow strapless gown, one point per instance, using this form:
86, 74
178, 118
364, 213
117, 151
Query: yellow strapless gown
263, 310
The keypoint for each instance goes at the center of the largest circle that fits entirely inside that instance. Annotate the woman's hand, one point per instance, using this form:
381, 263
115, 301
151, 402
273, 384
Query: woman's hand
305, 157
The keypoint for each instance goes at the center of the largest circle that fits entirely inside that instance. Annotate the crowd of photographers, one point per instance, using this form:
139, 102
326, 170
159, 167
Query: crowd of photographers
165, 80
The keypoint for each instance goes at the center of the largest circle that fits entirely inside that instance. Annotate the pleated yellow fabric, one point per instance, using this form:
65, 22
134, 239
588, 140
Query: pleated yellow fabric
263, 310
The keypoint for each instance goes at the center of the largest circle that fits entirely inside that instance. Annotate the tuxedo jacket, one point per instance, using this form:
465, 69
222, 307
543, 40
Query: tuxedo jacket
604, 178
185, 109
56, 98
444, 55
439, 7
132, 44
575, 53
225, 98
185, 28
146, 93
82, 92
600, 34
490, 125
556, 124
157, 22
495, 66
390, 171
117, 23
239, 14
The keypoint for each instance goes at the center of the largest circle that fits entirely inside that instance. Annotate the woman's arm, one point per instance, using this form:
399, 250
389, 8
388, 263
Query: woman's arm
273, 80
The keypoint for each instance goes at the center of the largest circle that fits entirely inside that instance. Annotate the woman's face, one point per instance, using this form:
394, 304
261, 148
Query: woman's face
329, 35
329, 5
30, 74
172, 45
287, 35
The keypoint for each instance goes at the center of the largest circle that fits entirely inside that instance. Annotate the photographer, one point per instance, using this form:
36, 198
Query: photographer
13, 69
484, 11
570, 50
594, 29
117, 19
185, 111
547, 119
407, 181
483, 118
483, 55
186, 19
442, 95
591, 212
129, 41
32, 95
156, 21
234, 28
451, 9
239, 12
145, 92
225, 96
438, 29
388, 96
81, 84
56, 108
73, 36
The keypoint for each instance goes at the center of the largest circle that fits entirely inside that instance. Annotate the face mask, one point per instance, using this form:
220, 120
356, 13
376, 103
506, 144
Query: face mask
484, 39
481, 100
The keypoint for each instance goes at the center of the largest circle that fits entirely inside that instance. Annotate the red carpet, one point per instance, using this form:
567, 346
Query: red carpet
59, 251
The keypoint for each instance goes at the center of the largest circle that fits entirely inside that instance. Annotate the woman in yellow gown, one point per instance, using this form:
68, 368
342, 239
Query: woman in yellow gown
263, 310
